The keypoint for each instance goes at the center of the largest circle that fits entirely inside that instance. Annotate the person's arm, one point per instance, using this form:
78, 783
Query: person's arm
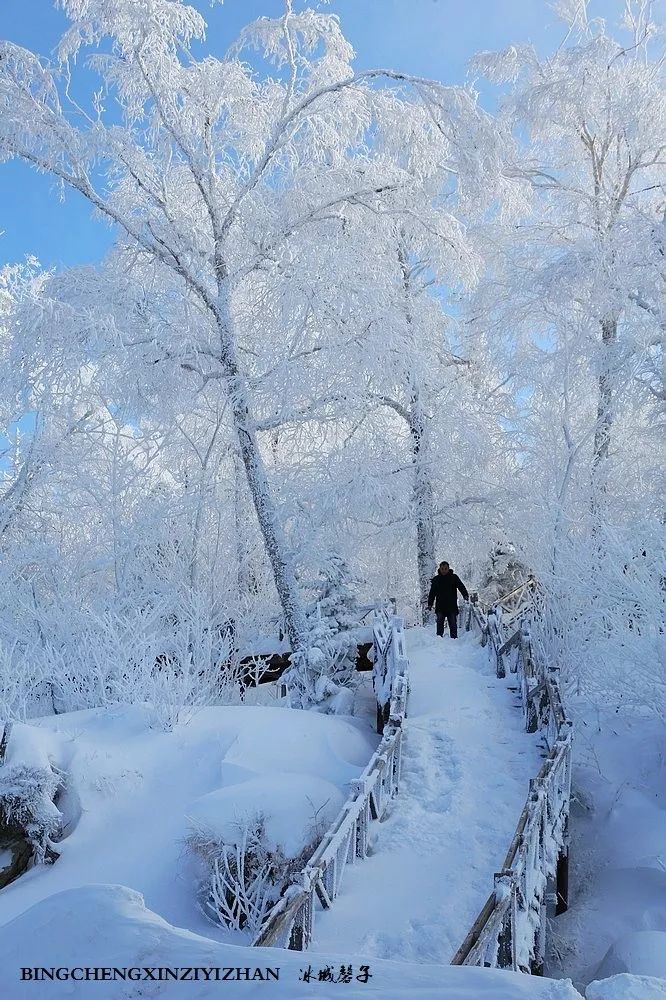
431, 595
462, 588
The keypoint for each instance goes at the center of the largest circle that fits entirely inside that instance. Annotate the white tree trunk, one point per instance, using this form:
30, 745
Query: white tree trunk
274, 540
602, 434
423, 499
244, 574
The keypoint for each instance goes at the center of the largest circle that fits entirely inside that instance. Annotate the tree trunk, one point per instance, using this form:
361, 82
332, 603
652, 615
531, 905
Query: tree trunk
244, 573
423, 492
602, 434
276, 545
262, 499
423, 500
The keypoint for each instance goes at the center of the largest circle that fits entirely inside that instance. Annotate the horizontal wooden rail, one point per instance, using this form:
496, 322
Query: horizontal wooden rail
510, 930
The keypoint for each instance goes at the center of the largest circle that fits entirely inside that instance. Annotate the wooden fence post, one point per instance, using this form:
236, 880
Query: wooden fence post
562, 868
6, 731
506, 942
357, 788
493, 628
537, 899
468, 611
300, 935
537, 964
562, 873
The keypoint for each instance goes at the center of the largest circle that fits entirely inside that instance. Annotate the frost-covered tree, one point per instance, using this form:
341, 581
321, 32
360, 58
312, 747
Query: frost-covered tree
588, 257
570, 308
210, 170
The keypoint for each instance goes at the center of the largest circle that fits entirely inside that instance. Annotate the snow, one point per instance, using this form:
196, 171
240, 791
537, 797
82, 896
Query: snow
133, 794
466, 766
109, 925
618, 861
292, 804
625, 987
641, 953
31, 747
132, 789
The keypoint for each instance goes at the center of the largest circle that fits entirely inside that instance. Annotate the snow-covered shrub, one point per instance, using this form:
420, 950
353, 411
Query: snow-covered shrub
501, 573
337, 592
253, 838
29, 782
328, 666
245, 877
25, 684
602, 617
26, 803
174, 656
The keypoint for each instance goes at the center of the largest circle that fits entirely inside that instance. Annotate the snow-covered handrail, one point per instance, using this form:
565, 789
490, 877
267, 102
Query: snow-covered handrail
290, 923
363, 610
390, 660
510, 930
491, 620
515, 598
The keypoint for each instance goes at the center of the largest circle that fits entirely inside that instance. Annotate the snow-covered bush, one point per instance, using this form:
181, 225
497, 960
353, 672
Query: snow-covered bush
25, 684
337, 591
29, 782
26, 804
252, 839
245, 877
174, 656
602, 617
501, 573
328, 664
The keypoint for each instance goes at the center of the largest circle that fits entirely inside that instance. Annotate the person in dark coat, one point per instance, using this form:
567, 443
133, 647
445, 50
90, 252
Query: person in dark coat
444, 595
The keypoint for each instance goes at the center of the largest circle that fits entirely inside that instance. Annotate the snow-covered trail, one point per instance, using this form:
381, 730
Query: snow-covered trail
466, 766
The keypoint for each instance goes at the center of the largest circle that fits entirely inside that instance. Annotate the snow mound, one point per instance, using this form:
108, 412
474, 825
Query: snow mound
626, 987
132, 790
294, 806
32, 747
107, 926
642, 953
278, 740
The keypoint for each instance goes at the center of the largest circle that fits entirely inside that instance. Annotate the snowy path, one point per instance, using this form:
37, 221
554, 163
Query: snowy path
466, 765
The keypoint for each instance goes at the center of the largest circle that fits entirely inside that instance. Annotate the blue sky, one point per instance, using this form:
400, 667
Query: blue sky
429, 37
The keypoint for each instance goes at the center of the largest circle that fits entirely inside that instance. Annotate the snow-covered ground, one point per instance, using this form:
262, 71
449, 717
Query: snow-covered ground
616, 922
107, 926
467, 761
122, 894
133, 792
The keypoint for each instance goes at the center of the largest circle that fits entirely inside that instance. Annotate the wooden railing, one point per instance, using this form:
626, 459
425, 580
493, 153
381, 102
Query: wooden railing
290, 923
510, 930
389, 661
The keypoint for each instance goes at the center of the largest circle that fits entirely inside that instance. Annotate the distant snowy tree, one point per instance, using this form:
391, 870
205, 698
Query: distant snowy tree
337, 592
570, 308
501, 573
588, 258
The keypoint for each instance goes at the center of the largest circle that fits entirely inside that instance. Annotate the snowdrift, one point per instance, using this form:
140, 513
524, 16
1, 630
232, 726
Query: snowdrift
109, 926
626, 987
132, 793
642, 953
